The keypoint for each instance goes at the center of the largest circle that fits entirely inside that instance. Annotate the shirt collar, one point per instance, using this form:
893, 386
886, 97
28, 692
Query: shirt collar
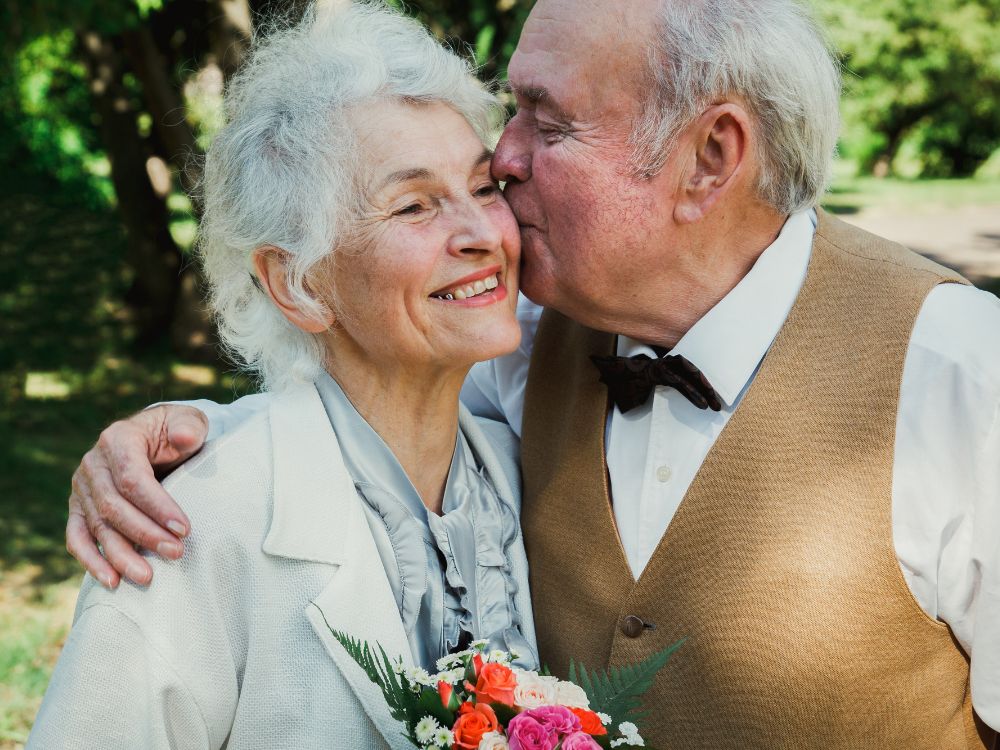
728, 343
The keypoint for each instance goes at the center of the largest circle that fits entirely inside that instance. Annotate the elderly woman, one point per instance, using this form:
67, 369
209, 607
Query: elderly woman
361, 259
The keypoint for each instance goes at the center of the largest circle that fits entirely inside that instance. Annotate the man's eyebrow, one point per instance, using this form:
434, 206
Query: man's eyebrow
536, 95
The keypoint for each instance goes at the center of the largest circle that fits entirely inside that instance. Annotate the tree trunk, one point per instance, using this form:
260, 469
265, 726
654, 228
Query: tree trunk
152, 254
166, 107
192, 332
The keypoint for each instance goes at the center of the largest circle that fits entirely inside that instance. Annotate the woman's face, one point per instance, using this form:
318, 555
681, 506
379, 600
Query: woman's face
431, 276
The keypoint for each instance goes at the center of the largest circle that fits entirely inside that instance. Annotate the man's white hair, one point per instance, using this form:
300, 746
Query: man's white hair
284, 171
775, 58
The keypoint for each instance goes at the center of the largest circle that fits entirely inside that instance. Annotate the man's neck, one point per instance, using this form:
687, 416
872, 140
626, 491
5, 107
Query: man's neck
707, 267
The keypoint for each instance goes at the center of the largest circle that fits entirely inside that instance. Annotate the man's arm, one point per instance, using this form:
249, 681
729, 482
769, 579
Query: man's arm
116, 499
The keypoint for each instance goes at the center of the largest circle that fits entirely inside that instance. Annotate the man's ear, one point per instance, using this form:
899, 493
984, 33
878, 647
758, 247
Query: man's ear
271, 265
718, 143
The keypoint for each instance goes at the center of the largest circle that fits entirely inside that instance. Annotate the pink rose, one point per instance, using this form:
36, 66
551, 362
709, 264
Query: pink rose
579, 741
557, 718
527, 733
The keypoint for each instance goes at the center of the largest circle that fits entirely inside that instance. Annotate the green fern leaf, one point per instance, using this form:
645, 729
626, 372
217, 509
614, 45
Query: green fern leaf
618, 692
398, 696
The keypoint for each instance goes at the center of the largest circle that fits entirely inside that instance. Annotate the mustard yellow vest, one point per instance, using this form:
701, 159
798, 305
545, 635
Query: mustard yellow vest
779, 566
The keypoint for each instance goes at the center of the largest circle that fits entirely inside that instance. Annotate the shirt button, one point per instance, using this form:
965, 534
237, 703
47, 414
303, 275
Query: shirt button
633, 626
664, 473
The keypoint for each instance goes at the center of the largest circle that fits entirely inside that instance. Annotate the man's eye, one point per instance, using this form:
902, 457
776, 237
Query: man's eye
551, 134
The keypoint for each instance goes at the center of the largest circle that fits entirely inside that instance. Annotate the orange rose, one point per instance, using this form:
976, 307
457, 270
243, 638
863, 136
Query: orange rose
496, 683
472, 724
590, 721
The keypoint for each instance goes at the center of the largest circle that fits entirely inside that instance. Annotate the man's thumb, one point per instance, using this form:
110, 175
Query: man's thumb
185, 429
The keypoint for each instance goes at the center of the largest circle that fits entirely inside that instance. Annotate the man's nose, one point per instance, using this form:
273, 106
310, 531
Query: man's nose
512, 157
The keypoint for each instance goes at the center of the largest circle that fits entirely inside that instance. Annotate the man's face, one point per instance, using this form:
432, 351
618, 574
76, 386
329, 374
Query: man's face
589, 228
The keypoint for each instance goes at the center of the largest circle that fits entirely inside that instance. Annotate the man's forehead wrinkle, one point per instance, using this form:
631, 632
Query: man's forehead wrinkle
586, 21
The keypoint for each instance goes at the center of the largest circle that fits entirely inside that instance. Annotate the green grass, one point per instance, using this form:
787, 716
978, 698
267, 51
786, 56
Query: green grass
38, 579
67, 368
33, 626
851, 193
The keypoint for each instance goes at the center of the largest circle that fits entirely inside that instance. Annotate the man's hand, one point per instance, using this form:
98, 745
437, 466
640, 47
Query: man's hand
117, 500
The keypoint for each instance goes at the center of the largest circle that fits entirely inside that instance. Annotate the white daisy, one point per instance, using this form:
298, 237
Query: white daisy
443, 737
425, 730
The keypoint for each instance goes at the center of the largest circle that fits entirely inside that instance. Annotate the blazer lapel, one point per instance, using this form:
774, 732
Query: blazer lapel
317, 517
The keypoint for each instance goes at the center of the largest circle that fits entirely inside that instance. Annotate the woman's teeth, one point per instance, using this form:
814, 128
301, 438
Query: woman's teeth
471, 290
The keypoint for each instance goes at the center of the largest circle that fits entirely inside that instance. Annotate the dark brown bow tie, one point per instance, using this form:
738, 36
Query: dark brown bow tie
630, 380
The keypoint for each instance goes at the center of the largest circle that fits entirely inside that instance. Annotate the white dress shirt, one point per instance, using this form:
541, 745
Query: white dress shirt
946, 475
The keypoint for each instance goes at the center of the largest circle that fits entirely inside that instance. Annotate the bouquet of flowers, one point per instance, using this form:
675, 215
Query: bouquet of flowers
480, 701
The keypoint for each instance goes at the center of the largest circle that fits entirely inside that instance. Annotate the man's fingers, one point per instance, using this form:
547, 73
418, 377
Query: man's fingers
82, 546
118, 513
187, 429
121, 554
182, 432
128, 451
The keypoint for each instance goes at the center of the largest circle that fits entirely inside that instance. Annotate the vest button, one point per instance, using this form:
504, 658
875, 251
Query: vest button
633, 626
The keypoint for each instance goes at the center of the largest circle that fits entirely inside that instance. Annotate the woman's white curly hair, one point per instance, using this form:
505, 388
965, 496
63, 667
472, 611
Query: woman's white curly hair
283, 171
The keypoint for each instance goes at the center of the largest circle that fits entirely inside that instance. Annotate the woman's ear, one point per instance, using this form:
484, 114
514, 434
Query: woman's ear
719, 139
271, 265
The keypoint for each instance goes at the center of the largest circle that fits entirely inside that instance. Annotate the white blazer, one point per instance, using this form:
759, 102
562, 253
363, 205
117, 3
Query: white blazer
231, 646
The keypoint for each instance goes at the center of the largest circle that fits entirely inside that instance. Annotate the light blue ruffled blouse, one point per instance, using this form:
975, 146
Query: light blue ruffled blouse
450, 574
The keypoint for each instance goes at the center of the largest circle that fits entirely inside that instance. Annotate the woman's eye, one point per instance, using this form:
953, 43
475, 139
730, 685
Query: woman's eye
410, 210
487, 191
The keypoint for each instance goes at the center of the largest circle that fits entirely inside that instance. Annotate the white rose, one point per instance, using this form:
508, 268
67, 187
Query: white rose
534, 690
493, 741
571, 695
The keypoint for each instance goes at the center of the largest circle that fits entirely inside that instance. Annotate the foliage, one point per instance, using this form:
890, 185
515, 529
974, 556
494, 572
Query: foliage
922, 82
618, 691
53, 115
489, 28
402, 701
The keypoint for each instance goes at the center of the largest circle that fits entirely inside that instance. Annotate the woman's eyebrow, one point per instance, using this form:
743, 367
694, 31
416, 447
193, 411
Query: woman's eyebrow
484, 158
405, 175
422, 173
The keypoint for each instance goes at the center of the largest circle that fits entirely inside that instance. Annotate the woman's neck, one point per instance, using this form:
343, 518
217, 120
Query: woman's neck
415, 413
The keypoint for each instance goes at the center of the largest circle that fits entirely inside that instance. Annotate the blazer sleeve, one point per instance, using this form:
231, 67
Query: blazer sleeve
113, 689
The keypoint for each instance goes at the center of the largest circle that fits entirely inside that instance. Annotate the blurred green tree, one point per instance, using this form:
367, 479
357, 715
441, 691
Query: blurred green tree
95, 93
490, 28
117, 99
920, 75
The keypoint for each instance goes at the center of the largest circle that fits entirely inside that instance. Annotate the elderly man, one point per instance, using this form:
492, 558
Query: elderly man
743, 422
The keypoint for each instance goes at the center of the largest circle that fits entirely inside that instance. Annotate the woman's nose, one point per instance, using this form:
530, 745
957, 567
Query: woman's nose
512, 157
476, 230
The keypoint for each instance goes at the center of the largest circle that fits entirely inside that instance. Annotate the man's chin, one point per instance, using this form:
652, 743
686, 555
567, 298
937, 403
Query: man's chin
538, 287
